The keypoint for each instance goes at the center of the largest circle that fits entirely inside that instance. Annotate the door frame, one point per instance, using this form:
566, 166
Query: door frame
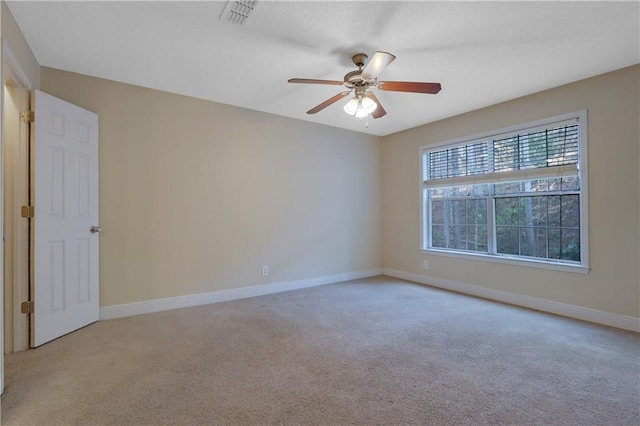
12, 74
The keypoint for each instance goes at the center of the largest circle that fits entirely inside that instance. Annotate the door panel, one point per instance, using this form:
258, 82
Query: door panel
65, 195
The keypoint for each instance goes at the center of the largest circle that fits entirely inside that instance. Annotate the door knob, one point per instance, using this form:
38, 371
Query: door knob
95, 229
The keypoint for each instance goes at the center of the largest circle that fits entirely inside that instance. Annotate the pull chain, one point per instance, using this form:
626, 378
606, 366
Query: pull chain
366, 121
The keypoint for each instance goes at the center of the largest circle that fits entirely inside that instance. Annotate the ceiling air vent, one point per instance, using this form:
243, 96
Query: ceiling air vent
237, 11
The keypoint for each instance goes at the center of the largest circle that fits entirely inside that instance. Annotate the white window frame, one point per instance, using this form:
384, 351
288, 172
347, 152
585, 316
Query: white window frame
582, 267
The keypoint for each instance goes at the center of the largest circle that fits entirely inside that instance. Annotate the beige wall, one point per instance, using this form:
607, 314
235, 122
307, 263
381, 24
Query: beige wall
195, 196
613, 284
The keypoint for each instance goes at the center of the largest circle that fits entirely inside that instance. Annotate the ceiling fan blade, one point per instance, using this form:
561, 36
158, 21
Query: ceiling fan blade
378, 62
379, 111
409, 86
328, 102
312, 81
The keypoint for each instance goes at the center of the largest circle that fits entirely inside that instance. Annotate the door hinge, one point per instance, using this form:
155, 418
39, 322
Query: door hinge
26, 307
28, 116
27, 211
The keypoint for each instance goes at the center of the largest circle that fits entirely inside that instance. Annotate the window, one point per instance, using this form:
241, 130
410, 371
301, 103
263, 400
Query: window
517, 196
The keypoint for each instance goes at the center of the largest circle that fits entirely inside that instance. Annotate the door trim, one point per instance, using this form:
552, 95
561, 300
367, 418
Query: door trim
13, 74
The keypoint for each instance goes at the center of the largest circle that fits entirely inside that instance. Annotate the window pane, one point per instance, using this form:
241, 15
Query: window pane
480, 190
539, 211
436, 193
569, 183
542, 226
508, 188
506, 211
533, 150
481, 214
553, 210
540, 249
527, 241
438, 236
471, 191
564, 210
477, 238
570, 215
477, 159
481, 237
470, 208
564, 244
437, 211
457, 212
507, 240
562, 145
457, 160
462, 191
552, 147
505, 154
457, 237
525, 211
538, 185
477, 212
554, 243
438, 165
555, 184
570, 244
533, 211
533, 242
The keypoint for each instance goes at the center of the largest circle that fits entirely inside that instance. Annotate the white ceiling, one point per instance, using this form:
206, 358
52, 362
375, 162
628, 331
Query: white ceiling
482, 53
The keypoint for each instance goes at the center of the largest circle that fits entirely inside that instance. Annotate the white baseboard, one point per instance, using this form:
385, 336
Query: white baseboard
586, 314
130, 309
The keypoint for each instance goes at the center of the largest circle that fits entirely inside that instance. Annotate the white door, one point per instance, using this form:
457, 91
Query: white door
65, 196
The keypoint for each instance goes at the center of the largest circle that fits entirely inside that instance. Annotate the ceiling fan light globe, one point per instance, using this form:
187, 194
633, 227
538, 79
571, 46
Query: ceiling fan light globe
361, 108
369, 105
361, 113
351, 106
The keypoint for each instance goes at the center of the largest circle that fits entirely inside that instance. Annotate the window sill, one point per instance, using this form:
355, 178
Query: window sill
540, 264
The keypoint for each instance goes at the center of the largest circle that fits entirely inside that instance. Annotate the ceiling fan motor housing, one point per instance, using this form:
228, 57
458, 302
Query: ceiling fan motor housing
360, 59
354, 78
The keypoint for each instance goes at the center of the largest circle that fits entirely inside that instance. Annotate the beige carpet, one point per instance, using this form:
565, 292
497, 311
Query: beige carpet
373, 351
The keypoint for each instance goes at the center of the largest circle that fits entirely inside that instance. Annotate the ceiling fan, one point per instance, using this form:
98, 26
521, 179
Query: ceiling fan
362, 80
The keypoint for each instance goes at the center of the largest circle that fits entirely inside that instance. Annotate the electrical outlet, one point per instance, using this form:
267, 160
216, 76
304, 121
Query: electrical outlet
425, 264
265, 270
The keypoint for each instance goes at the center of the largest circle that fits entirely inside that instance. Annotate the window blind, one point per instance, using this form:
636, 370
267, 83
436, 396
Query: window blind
551, 151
